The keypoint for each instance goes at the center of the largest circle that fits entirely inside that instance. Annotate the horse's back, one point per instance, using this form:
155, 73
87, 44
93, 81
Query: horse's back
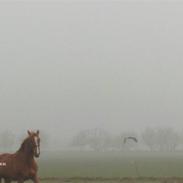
6, 157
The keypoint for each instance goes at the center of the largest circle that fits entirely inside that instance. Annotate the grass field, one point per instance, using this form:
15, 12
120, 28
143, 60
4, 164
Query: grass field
115, 180
111, 166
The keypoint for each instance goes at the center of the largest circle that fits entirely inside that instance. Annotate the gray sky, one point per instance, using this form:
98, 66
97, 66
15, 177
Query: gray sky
66, 66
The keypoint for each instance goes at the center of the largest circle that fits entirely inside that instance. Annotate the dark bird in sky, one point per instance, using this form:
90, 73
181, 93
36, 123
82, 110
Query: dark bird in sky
130, 138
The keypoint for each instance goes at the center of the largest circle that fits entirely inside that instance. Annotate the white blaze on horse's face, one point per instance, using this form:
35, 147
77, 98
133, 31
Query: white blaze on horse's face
36, 140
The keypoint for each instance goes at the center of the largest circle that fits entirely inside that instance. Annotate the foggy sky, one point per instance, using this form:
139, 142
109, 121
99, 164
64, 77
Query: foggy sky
66, 66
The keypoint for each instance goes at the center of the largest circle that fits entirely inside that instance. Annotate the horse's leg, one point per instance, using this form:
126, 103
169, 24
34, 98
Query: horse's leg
6, 180
20, 181
35, 179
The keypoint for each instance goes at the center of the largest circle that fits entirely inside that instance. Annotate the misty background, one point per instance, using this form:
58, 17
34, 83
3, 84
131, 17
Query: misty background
68, 66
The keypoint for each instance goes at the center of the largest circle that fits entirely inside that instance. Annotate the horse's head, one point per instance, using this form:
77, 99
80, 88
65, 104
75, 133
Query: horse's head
35, 142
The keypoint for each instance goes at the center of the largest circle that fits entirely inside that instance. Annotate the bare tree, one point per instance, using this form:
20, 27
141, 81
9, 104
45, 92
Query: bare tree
161, 139
167, 139
149, 138
96, 139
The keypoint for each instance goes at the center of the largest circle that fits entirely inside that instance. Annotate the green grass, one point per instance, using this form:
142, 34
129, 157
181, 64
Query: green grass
124, 180
110, 164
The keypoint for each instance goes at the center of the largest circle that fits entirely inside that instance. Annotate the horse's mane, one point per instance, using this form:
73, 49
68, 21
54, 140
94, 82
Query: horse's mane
26, 146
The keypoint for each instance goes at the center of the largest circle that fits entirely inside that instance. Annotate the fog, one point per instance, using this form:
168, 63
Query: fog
67, 66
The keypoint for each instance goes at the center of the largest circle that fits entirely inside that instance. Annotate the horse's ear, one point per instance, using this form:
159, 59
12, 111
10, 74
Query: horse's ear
29, 133
37, 132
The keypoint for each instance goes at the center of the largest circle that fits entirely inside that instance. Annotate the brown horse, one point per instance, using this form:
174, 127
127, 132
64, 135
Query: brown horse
21, 165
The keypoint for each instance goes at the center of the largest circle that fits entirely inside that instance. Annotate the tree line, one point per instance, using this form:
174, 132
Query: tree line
150, 139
